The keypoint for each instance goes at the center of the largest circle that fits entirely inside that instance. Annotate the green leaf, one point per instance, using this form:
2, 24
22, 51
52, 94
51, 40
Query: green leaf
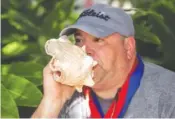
29, 70
13, 48
144, 33
14, 37
59, 15
20, 21
8, 106
23, 91
5, 69
167, 10
16, 53
165, 35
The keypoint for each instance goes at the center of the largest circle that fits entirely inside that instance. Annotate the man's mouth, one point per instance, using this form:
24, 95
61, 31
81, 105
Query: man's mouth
94, 67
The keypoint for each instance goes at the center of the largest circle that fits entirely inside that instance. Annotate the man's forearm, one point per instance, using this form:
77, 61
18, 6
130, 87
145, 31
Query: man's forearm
48, 108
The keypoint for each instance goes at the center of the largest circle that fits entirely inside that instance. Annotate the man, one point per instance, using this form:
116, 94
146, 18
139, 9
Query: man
125, 86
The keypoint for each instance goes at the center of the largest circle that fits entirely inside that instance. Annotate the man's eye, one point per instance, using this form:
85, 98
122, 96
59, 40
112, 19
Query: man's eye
78, 40
98, 39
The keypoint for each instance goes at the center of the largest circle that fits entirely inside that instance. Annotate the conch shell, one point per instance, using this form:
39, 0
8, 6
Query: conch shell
72, 61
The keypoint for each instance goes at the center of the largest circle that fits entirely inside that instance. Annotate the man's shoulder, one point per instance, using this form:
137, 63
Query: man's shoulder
151, 69
158, 74
159, 80
156, 94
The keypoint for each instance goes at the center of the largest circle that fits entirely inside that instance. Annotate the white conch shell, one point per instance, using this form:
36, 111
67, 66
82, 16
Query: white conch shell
72, 61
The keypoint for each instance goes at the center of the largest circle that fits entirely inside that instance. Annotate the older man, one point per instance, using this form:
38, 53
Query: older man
125, 86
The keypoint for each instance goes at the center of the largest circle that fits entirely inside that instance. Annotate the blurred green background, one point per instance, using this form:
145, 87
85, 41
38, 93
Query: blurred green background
27, 24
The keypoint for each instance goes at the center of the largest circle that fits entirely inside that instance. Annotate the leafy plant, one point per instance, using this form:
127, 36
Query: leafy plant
26, 27
155, 31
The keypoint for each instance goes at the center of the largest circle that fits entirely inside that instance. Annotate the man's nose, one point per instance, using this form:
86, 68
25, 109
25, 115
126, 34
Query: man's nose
89, 48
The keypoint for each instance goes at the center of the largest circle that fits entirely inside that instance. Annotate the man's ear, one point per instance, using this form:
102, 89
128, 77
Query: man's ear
130, 47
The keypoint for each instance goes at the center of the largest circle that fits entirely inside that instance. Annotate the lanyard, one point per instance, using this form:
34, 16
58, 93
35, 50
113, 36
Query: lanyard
134, 84
123, 97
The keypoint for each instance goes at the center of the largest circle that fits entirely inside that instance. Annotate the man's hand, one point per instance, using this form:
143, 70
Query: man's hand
55, 95
53, 89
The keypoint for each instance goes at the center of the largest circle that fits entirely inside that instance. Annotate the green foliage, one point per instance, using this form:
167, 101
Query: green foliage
155, 31
23, 91
29, 70
13, 48
8, 105
26, 27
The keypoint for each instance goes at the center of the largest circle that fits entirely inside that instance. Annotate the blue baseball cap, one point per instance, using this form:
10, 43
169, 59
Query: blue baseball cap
101, 20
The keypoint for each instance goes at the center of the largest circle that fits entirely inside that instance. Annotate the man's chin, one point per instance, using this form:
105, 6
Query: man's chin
96, 80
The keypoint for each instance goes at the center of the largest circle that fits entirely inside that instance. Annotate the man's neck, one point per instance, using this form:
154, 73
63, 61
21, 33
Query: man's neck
107, 94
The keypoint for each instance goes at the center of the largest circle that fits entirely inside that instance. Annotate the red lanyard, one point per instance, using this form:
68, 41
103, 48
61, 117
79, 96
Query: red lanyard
117, 104
115, 107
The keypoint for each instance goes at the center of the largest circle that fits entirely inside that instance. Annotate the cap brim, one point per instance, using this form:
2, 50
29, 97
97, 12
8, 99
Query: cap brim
94, 30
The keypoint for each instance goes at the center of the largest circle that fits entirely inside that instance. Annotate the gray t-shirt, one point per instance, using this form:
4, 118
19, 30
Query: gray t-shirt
105, 104
155, 98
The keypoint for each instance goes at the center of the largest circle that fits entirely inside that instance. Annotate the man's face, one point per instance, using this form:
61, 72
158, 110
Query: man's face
110, 54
